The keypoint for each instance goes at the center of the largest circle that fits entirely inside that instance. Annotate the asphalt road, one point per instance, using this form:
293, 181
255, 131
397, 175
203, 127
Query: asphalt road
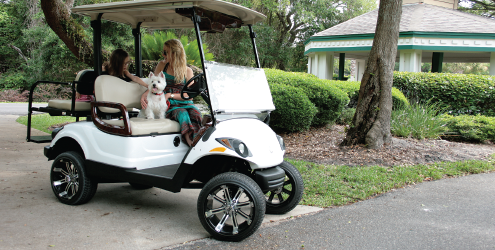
17, 108
456, 213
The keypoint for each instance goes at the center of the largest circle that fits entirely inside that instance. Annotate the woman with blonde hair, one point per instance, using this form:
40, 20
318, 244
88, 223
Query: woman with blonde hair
176, 72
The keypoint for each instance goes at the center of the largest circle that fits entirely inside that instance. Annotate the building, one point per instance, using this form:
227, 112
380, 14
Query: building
430, 31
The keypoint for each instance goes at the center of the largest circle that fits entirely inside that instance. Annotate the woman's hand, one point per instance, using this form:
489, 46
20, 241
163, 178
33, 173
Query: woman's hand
144, 99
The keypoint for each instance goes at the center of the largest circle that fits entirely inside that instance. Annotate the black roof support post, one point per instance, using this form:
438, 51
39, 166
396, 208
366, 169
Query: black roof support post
196, 20
137, 50
436, 62
341, 66
96, 25
253, 36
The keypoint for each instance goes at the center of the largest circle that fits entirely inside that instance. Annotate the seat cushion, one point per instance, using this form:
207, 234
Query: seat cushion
142, 126
66, 105
113, 89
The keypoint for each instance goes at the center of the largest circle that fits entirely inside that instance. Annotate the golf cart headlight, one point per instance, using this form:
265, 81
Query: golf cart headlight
237, 145
281, 142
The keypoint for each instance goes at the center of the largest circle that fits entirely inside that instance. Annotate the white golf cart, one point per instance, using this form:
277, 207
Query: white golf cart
237, 160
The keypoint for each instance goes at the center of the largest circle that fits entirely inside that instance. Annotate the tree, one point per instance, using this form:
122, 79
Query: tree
290, 22
479, 7
371, 122
58, 17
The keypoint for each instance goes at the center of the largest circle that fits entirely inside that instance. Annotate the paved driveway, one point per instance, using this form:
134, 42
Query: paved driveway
118, 217
17, 108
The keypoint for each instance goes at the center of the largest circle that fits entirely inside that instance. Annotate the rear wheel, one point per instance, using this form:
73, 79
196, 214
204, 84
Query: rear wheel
231, 207
69, 181
285, 198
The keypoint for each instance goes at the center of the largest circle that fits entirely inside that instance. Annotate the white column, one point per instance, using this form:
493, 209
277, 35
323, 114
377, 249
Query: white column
360, 67
410, 60
315, 66
329, 59
492, 63
322, 65
309, 63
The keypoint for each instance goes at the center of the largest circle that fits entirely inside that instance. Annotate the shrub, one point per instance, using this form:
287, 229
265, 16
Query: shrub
460, 94
328, 99
476, 128
294, 111
352, 90
13, 80
346, 116
418, 121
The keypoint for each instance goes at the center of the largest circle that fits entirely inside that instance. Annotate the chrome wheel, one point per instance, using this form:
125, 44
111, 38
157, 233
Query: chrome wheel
67, 184
69, 181
231, 207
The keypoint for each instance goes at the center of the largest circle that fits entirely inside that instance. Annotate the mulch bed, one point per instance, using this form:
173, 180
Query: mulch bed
321, 145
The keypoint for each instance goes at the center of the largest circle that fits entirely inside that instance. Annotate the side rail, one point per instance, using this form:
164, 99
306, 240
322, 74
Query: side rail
43, 139
109, 128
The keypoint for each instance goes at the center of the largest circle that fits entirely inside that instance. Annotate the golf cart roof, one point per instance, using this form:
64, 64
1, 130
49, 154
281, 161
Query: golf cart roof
162, 14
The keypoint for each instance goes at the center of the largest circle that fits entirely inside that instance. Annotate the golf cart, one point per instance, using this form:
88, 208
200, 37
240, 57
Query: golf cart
236, 160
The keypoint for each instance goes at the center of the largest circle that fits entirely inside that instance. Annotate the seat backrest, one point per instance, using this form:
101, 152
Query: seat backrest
85, 81
113, 89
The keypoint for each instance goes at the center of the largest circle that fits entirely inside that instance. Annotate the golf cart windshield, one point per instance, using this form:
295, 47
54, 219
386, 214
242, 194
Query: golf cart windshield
237, 91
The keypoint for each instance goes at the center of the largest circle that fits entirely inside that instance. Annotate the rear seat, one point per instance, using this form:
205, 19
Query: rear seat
115, 95
84, 85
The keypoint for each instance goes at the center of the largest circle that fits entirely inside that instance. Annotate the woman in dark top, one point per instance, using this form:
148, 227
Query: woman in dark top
119, 62
177, 73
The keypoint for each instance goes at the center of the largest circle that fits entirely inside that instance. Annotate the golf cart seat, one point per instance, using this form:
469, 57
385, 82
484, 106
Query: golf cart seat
116, 96
83, 83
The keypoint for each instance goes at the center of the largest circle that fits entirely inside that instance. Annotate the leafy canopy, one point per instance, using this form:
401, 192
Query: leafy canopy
152, 47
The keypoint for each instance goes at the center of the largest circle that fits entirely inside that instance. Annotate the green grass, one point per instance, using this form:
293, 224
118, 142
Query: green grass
327, 186
43, 121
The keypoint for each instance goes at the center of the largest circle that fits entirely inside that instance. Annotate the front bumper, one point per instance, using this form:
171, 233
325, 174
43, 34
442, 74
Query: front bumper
270, 179
48, 152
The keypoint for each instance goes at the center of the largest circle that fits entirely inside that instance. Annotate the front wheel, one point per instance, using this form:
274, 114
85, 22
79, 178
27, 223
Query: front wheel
69, 181
231, 206
285, 198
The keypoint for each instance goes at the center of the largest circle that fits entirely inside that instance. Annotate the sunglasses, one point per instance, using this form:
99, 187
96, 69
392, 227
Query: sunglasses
164, 52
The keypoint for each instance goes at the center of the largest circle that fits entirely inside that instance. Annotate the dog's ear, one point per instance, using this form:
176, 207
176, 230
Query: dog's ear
161, 75
151, 75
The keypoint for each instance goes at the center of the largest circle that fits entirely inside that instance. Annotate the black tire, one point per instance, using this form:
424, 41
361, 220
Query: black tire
231, 195
69, 181
139, 186
286, 198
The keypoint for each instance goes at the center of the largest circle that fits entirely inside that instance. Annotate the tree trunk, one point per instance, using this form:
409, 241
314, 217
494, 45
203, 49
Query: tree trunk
57, 15
371, 123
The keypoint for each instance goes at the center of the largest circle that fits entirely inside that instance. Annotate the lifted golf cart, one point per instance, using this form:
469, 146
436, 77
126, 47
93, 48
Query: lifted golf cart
237, 160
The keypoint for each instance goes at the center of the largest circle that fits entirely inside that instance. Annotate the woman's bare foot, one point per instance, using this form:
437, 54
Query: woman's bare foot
188, 139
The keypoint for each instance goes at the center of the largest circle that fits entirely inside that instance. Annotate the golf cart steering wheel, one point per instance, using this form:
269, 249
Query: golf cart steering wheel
195, 89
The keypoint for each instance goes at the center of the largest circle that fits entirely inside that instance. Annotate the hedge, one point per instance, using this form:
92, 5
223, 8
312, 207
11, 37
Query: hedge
476, 128
352, 89
458, 93
328, 99
294, 111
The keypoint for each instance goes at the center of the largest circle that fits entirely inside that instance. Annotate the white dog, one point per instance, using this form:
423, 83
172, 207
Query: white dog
157, 103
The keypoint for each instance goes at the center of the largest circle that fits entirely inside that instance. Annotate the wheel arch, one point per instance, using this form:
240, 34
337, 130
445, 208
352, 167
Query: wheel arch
66, 144
210, 166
